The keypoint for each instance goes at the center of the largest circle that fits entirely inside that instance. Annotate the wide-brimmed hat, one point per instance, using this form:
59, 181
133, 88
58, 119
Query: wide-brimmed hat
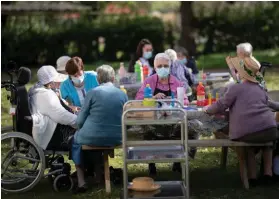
144, 184
248, 68
60, 77
61, 63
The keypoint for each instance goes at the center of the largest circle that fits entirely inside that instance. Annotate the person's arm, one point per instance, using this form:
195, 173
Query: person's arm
84, 112
273, 105
192, 64
52, 108
64, 91
223, 103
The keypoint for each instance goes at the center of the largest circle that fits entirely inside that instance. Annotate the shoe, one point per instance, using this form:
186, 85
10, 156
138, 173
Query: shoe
253, 182
266, 180
81, 189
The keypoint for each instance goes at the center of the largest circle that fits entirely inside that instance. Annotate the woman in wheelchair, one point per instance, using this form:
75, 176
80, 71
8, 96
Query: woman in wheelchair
99, 121
53, 122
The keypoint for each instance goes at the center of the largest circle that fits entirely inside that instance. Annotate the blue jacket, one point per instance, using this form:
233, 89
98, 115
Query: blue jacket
99, 120
69, 92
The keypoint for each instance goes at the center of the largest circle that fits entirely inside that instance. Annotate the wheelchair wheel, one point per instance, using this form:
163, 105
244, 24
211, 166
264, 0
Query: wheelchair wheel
63, 182
22, 162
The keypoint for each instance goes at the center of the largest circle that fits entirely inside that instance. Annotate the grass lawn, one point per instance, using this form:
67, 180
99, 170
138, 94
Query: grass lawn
207, 180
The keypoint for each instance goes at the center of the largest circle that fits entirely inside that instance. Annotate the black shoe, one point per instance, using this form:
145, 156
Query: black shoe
176, 167
81, 189
152, 169
253, 182
266, 180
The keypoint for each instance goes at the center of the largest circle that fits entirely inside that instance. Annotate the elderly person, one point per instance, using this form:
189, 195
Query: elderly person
180, 71
251, 120
99, 120
74, 88
52, 122
184, 58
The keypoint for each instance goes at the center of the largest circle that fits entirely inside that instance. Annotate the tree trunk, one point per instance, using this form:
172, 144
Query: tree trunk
187, 17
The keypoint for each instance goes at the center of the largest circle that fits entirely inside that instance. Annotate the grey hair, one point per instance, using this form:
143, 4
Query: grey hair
105, 73
246, 48
181, 50
161, 56
172, 54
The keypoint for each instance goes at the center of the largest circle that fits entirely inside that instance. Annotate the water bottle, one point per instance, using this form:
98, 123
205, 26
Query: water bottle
200, 94
123, 89
148, 94
138, 71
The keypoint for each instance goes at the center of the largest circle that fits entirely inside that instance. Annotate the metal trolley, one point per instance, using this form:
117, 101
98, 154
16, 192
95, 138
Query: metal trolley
174, 150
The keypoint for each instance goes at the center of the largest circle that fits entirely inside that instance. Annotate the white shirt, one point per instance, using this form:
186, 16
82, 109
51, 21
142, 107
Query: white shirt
81, 94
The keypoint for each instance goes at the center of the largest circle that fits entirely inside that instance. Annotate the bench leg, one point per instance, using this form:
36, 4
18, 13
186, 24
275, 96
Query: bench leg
224, 157
242, 157
107, 173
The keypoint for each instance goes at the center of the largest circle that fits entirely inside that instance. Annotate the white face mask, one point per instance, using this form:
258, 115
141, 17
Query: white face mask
78, 80
163, 72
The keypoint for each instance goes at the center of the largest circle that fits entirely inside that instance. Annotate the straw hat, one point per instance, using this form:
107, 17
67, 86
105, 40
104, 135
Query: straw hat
144, 184
248, 68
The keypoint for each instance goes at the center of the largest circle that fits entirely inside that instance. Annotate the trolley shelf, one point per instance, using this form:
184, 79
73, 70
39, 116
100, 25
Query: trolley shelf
168, 190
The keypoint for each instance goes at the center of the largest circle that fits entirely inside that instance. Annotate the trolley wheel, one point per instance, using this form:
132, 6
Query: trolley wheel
63, 182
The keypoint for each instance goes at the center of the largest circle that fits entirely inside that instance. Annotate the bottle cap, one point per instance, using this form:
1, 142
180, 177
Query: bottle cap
147, 85
122, 86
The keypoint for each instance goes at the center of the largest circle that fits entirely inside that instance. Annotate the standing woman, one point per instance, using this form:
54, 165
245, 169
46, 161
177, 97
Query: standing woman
143, 55
78, 83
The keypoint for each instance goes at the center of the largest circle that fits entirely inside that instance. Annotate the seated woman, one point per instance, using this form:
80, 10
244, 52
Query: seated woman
74, 88
184, 58
143, 55
250, 118
99, 120
52, 123
163, 85
180, 71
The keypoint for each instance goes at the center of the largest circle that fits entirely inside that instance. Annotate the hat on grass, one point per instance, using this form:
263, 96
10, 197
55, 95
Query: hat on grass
144, 184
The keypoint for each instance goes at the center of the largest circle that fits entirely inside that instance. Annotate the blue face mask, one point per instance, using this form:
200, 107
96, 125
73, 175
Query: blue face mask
183, 61
163, 72
147, 55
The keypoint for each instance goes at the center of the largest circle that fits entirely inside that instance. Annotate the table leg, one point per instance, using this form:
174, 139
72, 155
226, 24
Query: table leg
224, 157
107, 173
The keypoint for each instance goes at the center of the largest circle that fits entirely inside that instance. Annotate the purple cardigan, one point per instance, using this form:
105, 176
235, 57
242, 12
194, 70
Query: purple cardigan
249, 111
151, 80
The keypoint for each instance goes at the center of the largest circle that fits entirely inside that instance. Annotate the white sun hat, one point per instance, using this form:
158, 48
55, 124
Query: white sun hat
61, 63
47, 74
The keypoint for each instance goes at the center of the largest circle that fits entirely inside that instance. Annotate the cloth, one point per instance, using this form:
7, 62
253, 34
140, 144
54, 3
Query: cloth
191, 63
47, 74
249, 112
273, 105
181, 72
99, 120
69, 91
60, 138
81, 94
145, 62
47, 111
152, 80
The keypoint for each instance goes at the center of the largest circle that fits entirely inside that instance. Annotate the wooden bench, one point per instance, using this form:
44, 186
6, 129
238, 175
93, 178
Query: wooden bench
239, 148
108, 152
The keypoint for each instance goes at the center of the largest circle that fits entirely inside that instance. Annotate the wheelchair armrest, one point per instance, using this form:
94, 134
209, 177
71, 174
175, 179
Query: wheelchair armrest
28, 118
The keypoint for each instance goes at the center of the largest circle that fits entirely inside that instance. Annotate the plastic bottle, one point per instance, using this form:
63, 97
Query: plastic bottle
148, 94
217, 96
200, 94
138, 71
123, 89
209, 98
122, 71
145, 72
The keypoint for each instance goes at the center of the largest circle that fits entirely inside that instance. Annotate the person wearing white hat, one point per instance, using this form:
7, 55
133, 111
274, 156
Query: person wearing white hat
52, 122
61, 64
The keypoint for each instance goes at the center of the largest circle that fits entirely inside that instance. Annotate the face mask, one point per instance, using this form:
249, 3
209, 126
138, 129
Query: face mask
147, 55
77, 80
163, 72
183, 61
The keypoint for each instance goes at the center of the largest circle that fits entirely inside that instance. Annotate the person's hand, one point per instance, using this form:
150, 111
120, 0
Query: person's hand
75, 108
204, 109
159, 96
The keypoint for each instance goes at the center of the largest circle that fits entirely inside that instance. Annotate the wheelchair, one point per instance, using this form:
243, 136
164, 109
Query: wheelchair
23, 162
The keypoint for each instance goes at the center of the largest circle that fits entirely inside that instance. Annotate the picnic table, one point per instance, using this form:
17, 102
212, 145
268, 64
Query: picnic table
214, 81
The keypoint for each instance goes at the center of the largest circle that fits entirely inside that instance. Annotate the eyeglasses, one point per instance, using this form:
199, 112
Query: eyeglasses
163, 66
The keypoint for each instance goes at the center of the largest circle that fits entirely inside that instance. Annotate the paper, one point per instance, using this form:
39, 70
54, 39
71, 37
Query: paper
180, 95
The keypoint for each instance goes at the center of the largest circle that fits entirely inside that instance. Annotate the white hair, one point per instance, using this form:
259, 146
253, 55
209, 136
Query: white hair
245, 48
105, 73
161, 56
172, 54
